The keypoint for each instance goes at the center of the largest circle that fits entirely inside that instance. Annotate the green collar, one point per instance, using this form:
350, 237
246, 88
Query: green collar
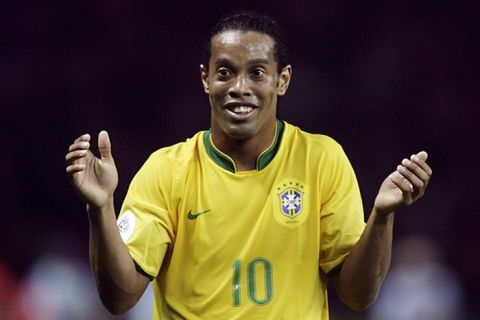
227, 163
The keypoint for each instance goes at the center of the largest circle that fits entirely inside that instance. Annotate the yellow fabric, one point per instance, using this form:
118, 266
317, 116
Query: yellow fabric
259, 243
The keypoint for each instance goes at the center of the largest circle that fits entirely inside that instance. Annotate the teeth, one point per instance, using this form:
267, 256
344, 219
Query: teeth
242, 109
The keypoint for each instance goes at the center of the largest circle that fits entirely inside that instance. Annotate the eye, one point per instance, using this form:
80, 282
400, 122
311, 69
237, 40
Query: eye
223, 73
257, 73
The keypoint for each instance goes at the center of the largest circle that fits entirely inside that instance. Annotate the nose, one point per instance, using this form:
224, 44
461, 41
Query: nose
240, 87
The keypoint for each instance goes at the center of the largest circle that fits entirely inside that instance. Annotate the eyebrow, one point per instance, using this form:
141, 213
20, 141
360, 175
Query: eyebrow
224, 61
258, 61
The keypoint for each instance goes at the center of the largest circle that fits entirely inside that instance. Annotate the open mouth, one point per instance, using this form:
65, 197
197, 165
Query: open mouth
241, 110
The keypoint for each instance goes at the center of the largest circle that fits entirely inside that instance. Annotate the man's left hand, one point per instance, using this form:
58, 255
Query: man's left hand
405, 185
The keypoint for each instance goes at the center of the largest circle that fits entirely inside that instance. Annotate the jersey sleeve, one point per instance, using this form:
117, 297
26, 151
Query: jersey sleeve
341, 217
145, 225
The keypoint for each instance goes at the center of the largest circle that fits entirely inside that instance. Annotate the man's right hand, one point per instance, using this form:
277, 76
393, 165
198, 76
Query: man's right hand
95, 179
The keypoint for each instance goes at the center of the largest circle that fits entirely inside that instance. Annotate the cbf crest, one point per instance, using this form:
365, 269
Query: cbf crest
291, 202
290, 205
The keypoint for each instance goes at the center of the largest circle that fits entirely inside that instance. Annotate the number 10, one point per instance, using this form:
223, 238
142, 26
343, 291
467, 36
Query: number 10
252, 288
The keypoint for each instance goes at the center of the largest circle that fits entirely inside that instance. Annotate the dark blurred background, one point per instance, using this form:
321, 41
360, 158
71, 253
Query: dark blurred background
385, 79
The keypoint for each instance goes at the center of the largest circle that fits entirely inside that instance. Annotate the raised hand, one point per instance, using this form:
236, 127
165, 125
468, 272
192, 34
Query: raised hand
94, 179
405, 185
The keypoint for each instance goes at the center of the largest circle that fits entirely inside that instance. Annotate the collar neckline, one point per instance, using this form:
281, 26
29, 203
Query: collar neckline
228, 164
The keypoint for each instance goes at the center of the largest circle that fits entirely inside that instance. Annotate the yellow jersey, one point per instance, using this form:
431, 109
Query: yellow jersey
243, 245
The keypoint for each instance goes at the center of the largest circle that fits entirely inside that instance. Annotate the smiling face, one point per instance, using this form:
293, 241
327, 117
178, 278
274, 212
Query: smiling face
243, 84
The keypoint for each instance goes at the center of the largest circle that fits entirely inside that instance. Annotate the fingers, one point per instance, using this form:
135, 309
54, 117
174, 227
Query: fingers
77, 151
420, 159
75, 155
401, 182
413, 181
104, 146
81, 143
415, 171
422, 155
83, 137
75, 168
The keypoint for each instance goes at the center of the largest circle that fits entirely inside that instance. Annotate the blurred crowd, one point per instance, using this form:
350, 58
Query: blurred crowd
59, 288
419, 286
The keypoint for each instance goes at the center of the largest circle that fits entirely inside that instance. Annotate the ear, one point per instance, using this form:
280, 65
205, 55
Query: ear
284, 80
204, 76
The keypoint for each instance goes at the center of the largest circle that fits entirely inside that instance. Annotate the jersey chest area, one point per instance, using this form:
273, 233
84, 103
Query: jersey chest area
242, 239
256, 210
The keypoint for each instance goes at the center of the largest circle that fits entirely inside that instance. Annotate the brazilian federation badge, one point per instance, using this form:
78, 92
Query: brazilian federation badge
291, 202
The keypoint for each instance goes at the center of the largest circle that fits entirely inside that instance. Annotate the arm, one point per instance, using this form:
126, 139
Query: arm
119, 284
359, 280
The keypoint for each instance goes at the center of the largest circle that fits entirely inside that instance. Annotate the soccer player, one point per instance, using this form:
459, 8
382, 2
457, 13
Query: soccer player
248, 220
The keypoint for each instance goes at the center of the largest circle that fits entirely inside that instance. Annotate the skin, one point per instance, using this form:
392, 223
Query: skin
119, 284
243, 72
359, 280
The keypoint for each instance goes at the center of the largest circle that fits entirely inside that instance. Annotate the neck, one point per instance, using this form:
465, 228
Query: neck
244, 152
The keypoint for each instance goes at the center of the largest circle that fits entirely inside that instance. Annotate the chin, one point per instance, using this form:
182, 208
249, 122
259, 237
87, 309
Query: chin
240, 132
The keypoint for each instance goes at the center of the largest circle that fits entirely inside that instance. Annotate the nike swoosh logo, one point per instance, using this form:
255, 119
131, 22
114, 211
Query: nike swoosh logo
193, 216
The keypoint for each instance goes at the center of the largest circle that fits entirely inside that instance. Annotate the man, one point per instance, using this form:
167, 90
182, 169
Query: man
249, 219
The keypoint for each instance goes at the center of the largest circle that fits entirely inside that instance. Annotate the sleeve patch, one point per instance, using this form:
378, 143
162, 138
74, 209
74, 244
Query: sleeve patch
126, 225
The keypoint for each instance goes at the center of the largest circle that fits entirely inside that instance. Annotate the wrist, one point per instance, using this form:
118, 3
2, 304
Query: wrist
94, 211
383, 216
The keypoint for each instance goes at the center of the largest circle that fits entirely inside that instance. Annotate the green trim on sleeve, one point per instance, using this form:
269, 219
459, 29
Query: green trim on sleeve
224, 161
139, 269
335, 269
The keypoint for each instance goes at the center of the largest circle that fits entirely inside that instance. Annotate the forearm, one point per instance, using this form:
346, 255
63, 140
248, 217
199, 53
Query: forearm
360, 278
119, 284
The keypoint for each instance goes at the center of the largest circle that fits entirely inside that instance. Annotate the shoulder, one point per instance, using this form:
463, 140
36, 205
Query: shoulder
167, 162
313, 142
177, 153
164, 166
